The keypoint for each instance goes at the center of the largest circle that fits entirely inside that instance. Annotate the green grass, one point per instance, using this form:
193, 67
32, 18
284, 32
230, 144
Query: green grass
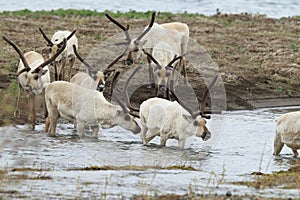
86, 13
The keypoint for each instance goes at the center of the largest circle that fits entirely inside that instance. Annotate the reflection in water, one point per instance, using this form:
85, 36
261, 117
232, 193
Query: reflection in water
241, 143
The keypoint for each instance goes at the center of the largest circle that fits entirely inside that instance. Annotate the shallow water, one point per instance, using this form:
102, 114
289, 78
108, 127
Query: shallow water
271, 8
242, 143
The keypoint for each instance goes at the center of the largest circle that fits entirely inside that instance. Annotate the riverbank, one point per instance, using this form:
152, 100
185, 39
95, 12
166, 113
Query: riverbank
258, 57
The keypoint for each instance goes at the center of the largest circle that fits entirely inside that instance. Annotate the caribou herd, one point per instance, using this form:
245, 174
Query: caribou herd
80, 98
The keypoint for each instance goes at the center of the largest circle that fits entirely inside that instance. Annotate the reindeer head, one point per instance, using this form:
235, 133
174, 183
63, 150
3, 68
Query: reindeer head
56, 44
133, 46
32, 75
98, 76
163, 73
125, 116
197, 118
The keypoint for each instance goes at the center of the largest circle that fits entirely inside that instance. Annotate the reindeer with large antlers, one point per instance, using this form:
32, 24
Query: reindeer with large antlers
164, 40
33, 74
92, 79
167, 119
67, 56
87, 107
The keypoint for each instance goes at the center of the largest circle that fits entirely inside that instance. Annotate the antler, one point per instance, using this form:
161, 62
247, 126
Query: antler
152, 59
205, 95
18, 50
174, 60
202, 103
50, 60
50, 43
127, 99
123, 106
125, 29
147, 29
89, 67
116, 59
193, 114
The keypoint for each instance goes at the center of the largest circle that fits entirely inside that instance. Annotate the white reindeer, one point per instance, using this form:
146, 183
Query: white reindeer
167, 119
67, 55
287, 132
165, 40
91, 80
33, 74
86, 107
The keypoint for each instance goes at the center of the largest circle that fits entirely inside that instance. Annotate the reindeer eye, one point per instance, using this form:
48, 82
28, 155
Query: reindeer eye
35, 77
136, 49
127, 117
196, 123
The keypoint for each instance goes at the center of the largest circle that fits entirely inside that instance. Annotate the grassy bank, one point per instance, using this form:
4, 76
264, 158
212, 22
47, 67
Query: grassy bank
258, 57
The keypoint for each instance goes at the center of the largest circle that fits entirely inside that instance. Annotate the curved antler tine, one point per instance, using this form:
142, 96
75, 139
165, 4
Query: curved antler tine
50, 43
127, 99
123, 106
125, 29
116, 59
148, 28
89, 67
152, 58
69, 37
71, 34
52, 58
113, 82
194, 115
174, 60
18, 50
205, 94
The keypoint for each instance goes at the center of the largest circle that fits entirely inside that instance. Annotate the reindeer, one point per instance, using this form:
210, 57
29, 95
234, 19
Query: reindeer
165, 41
164, 73
87, 107
93, 79
287, 132
167, 119
66, 56
32, 76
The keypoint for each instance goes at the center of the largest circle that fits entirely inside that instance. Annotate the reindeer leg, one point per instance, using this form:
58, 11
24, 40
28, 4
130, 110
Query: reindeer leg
17, 110
55, 71
151, 75
32, 114
71, 63
62, 69
295, 152
163, 139
184, 69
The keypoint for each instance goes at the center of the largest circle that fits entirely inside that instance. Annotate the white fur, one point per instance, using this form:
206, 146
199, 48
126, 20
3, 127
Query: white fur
84, 80
287, 132
160, 117
86, 107
32, 83
67, 56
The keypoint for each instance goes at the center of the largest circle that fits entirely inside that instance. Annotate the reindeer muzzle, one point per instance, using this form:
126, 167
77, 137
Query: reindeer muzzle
100, 87
129, 61
206, 135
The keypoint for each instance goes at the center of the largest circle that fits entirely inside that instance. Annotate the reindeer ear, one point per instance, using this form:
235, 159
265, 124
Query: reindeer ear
187, 117
44, 71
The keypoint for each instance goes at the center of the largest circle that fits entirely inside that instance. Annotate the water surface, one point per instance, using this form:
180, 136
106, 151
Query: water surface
242, 143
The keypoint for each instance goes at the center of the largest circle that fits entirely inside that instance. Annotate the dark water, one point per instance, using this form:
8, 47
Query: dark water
242, 143
271, 8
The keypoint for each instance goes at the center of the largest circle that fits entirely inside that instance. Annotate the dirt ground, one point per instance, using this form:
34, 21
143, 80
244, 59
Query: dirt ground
258, 57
